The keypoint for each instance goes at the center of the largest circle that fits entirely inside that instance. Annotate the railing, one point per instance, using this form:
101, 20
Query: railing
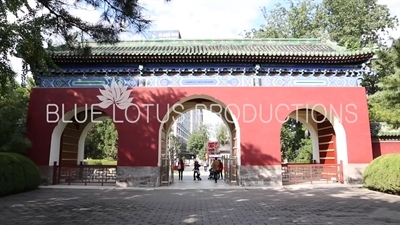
84, 174
313, 173
230, 171
165, 171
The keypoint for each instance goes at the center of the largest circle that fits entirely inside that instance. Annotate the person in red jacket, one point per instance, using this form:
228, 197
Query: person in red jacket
181, 168
221, 168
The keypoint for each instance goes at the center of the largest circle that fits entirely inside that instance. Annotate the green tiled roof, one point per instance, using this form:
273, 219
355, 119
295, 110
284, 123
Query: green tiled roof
231, 47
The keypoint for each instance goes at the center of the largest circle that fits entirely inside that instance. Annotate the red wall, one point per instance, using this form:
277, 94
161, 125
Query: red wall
385, 147
260, 142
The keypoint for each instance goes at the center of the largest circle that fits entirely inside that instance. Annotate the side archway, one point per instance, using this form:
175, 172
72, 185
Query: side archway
57, 133
68, 136
329, 144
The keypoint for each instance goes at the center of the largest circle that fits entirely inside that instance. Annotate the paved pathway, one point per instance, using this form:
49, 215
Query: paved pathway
344, 206
188, 183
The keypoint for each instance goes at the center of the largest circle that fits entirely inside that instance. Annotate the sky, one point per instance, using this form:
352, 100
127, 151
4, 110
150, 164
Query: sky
205, 19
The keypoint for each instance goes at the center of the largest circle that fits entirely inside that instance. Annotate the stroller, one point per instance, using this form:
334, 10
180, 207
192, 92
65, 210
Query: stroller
211, 176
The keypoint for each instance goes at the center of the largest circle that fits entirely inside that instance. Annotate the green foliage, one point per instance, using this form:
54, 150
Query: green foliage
175, 143
385, 102
383, 174
102, 141
305, 152
384, 66
328, 19
13, 113
301, 20
362, 27
17, 174
295, 146
197, 142
100, 162
222, 134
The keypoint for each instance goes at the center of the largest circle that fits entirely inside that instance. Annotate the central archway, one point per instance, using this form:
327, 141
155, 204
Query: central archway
198, 102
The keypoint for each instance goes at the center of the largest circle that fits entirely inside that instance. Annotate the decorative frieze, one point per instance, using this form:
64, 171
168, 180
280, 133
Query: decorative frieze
193, 81
177, 77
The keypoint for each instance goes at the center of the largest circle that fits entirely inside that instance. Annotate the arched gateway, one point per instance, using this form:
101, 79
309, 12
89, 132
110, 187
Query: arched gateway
254, 85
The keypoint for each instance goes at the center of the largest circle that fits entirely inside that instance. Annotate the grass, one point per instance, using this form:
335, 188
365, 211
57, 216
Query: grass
104, 162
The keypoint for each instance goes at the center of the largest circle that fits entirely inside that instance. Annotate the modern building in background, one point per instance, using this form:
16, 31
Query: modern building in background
185, 125
164, 35
196, 119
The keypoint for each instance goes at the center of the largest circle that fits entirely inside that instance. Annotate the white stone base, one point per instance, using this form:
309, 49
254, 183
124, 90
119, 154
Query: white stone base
353, 173
260, 175
138, 176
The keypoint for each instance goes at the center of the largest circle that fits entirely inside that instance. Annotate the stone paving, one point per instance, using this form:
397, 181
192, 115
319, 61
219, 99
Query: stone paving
61, 206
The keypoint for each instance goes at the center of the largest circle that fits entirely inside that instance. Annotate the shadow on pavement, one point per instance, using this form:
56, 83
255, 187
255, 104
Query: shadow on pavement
313, 206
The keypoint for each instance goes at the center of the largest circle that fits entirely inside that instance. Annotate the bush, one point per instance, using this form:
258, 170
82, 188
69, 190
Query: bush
17, 174
383, 174
99, 162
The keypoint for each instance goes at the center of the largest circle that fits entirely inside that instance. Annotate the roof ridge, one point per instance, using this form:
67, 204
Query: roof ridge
238, 41
217, 39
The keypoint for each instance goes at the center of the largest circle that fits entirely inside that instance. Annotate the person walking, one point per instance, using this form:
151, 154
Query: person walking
196, 171
215, 166
181, 168
221, 168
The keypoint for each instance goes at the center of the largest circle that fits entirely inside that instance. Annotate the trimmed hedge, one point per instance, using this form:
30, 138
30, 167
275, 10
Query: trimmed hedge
99, 162
17, 174
383, 174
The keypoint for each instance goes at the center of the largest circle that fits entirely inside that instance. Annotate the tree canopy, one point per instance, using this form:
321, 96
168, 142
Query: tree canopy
13, 114
295, 142
385, 102
175, 143
222, 134
102, 141
197, 143
328, 19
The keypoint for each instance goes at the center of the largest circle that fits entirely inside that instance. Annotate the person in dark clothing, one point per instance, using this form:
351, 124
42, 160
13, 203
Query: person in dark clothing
215, 166
181, 168
196, 171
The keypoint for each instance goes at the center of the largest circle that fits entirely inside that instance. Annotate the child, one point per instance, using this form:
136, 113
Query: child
196, 173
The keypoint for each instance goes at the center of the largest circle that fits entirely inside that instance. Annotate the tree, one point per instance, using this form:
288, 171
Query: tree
301, 20
222, 134
293, 140
329, 19
46, 20
385, 103
197, 142
305, 153
102, 141
175, 143
13, 114
362, 27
